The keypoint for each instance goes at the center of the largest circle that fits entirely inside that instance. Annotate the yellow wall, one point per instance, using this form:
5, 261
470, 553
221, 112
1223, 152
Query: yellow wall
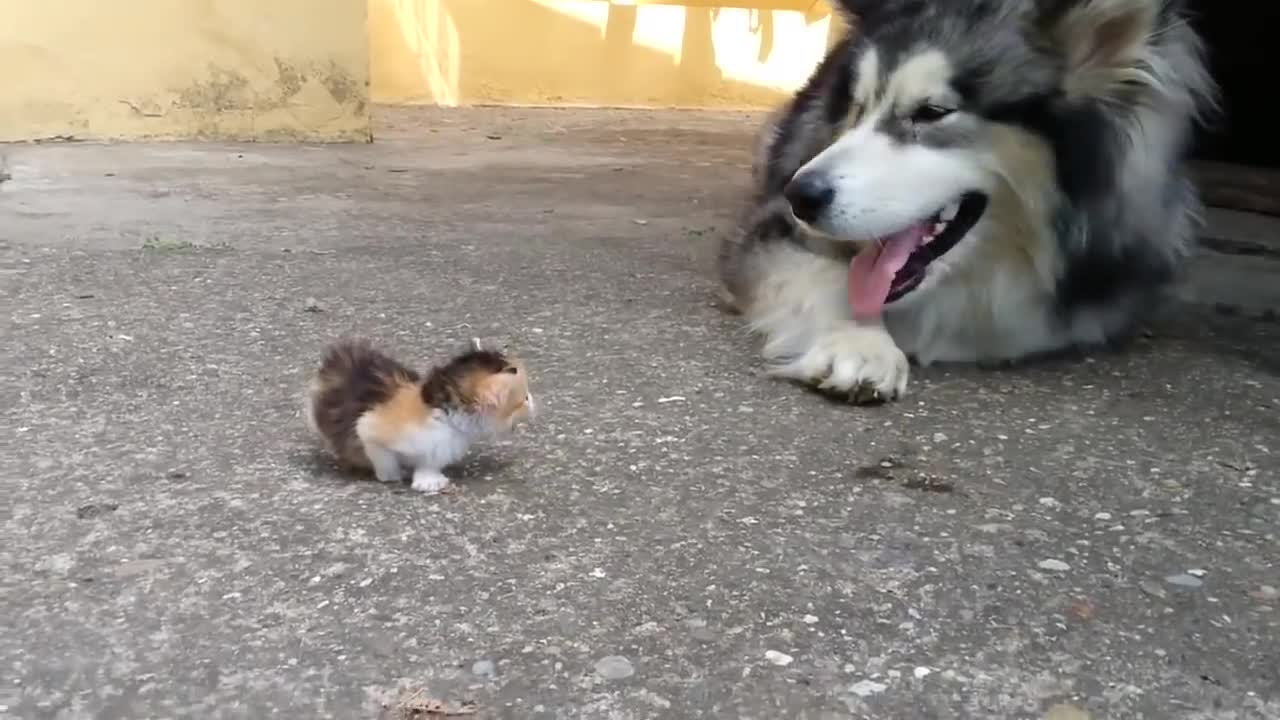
592, 52
231, 69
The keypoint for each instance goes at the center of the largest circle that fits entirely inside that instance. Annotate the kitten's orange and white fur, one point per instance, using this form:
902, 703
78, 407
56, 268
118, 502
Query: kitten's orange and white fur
375, 414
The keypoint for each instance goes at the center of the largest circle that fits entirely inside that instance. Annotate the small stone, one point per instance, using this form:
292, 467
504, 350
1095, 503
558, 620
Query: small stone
1184, 580
614, 667
1049, 502
1053, 565
1139, 513
780, 659
922, 672
1265, 593
484, 668
867, 688
1103, 516
1081, 610
88, 512
1152, 589
646, 629
1063, 711
703, 634
940, 437
1197, 572
312, 305
810, 619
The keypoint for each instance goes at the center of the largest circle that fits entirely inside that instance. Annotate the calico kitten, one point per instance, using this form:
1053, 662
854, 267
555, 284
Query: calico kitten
374, 413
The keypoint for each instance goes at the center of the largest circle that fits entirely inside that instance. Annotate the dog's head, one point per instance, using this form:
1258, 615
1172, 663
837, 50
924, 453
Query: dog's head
968, 120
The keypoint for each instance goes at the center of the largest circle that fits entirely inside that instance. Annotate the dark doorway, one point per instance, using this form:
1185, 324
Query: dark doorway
1244, 57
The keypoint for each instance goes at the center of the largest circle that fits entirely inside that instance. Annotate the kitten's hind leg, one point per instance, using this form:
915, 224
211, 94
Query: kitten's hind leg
429, 480
386, 463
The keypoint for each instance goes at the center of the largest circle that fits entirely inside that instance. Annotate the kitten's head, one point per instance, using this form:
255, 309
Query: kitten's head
487, 384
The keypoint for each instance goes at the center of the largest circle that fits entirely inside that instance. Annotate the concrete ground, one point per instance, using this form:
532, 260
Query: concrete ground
677, 537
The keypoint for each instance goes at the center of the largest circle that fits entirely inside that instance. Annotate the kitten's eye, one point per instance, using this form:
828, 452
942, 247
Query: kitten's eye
929, 113
511, 369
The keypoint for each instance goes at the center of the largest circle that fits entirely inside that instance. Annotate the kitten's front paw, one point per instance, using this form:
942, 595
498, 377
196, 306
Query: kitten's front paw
430, 482
862, 364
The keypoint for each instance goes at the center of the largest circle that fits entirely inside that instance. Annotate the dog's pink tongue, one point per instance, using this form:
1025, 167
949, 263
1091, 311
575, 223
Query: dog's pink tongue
872, 270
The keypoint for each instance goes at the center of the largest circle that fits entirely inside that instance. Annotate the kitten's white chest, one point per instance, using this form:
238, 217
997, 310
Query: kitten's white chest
435, 444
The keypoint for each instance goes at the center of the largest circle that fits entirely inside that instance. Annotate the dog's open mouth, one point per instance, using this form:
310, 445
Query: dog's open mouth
896, 264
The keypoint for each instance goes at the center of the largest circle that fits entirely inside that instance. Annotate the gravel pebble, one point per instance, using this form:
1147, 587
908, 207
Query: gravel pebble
780, 659
484, 668
614, 667
1064, 711
1184, 580
865, 688
1053, 565
1265, 593
1153, 589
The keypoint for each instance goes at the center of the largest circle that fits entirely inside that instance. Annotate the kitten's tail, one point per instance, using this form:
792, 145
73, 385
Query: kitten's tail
344, 356
339, 361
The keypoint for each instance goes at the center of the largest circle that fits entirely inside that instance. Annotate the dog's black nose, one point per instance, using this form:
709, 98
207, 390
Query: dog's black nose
809, 195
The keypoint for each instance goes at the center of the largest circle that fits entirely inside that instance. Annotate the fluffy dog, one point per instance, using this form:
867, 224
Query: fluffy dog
971, 181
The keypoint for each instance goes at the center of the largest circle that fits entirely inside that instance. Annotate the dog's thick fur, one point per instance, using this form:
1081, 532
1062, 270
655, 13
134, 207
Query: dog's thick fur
1071, 117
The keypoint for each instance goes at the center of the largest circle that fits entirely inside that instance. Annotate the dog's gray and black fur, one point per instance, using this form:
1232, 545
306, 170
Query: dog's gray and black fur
1062, 126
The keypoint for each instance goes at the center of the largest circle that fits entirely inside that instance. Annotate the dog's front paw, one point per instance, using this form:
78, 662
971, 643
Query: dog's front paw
862, 364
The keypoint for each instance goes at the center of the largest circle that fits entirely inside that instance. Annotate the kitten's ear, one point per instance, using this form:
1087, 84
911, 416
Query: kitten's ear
1101, 42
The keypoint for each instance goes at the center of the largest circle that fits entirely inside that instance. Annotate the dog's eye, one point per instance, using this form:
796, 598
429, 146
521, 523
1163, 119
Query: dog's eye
929, 113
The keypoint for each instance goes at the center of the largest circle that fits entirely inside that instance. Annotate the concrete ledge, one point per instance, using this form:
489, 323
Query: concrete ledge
288, 70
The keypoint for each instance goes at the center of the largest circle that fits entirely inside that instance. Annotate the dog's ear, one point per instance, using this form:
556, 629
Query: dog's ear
1101, 42
858, 10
